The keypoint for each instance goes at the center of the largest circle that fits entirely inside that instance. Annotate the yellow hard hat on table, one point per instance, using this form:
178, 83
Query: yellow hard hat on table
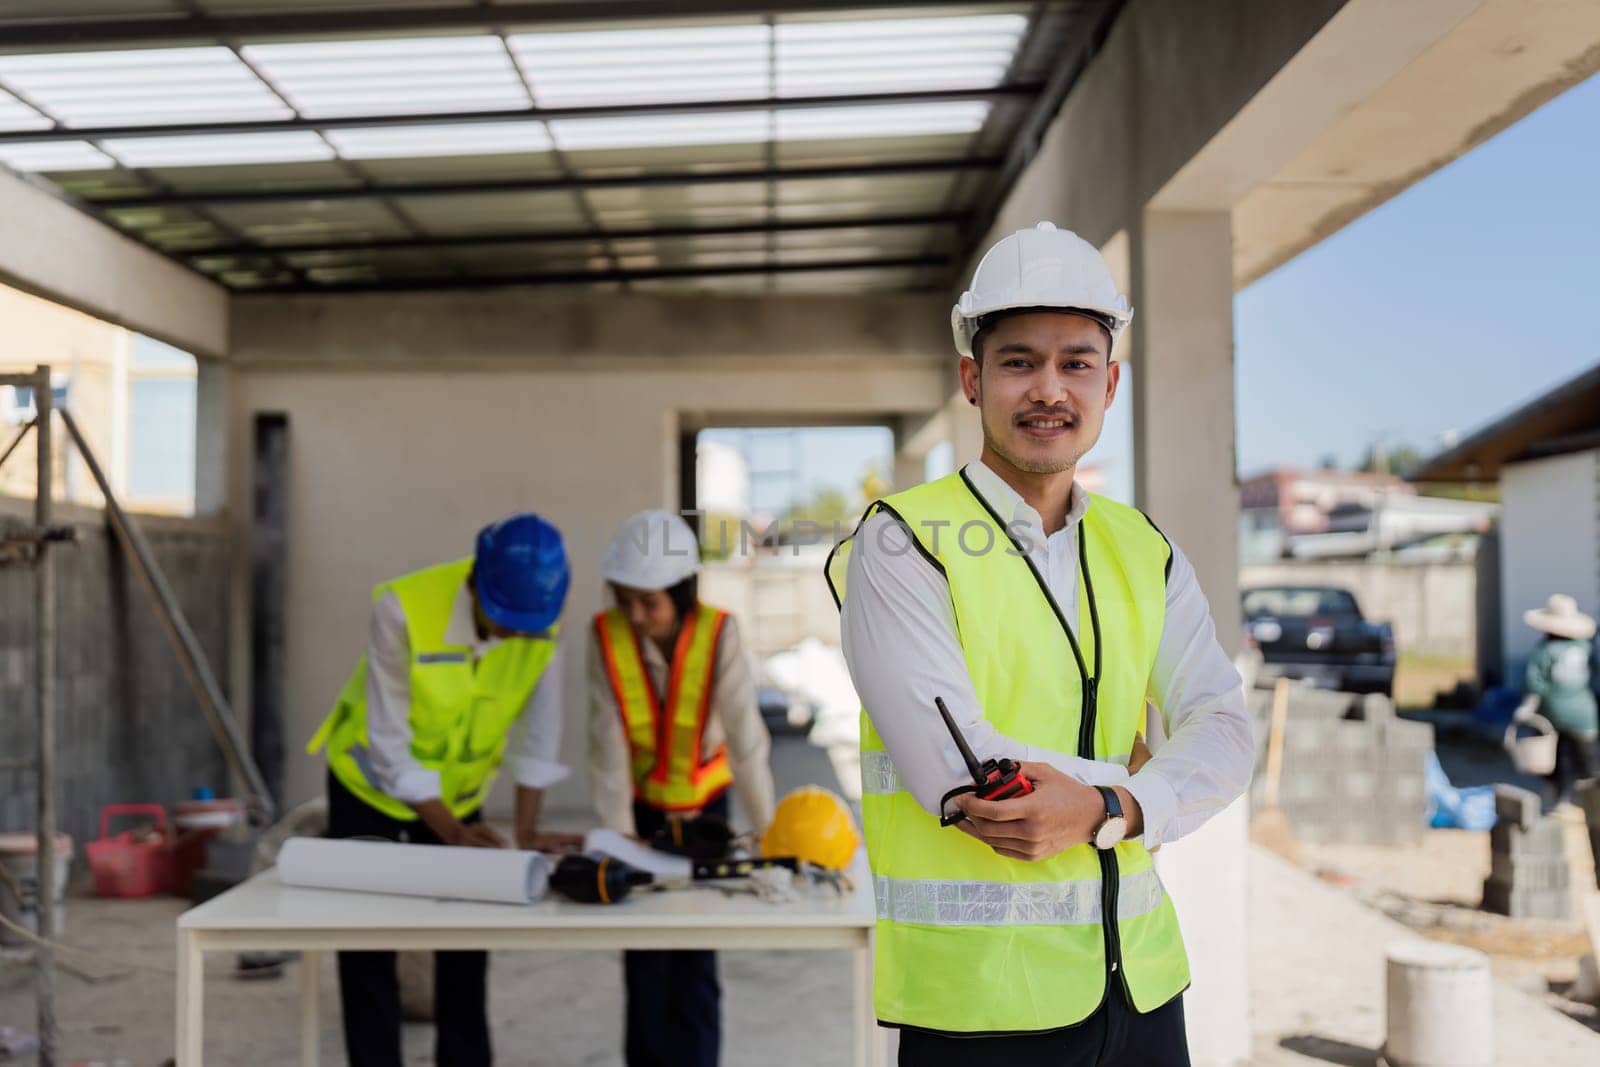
812, 824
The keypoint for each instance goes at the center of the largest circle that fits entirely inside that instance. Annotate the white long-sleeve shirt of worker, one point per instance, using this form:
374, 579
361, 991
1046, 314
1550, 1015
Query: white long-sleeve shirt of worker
398, 772
733, 718
901, 644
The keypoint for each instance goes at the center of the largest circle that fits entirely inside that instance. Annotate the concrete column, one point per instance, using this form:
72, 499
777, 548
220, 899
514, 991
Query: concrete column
212, 392
1182, 355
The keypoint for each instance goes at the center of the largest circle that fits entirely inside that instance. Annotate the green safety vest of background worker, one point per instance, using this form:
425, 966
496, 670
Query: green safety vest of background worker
459, 654
1035, 930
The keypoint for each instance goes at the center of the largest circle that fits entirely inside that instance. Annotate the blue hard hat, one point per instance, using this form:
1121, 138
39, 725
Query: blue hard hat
520, 573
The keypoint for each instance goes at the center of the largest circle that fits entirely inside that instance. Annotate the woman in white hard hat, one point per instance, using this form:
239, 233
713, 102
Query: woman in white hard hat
1559, 675
673, 722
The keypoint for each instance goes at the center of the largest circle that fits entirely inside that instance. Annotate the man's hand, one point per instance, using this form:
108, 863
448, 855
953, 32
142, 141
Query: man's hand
537, 841
1059, 814
478, 835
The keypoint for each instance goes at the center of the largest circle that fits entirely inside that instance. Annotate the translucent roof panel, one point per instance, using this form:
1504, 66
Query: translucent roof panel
219, 149
411, 75
145, 87
887, 55
15, 115
885, 120
732, 127
53, 156
401, 142
618, 66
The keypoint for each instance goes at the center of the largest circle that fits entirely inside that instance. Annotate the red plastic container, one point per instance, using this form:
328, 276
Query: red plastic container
128, 865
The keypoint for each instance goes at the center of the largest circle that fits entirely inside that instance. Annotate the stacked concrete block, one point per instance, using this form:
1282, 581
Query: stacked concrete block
1528, 876
1352, 772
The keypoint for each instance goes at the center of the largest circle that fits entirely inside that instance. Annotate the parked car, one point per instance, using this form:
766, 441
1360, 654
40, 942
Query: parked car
1317, 633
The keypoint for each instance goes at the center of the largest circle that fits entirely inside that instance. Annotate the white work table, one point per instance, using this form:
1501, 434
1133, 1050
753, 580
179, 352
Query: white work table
264, 914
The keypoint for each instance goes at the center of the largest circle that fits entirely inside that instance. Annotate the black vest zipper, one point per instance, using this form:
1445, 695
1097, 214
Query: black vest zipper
1089, 707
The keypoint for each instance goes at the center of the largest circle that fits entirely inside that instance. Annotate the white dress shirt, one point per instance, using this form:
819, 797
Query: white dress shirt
734, 718
397, 771
900, 642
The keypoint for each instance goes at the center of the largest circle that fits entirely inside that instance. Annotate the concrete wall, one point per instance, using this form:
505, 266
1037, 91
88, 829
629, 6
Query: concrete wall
1549, 543
129, 730
51, 249
393, 466
1432, 606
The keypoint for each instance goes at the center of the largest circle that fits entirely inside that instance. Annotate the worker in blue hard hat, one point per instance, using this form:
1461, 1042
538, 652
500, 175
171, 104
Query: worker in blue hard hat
457, 655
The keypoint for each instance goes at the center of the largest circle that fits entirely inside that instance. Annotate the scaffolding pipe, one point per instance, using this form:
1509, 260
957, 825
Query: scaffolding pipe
15, 441
191, 657
44, 670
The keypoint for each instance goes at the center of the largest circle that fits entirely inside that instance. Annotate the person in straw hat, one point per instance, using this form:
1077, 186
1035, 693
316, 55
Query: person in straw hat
1559, 675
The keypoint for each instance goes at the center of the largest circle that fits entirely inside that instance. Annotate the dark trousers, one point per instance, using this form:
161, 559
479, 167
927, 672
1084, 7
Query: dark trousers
1114, 1036
1575, 761
369, 990
674, 1013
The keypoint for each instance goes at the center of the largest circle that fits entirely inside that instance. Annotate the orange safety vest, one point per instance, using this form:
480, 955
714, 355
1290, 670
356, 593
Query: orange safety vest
664, 740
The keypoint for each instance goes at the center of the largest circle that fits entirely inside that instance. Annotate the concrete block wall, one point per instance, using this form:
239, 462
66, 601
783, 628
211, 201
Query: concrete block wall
128, 727
1352, 772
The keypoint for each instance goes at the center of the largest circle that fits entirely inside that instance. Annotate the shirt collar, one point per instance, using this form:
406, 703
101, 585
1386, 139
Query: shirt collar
1006, 500
462, 629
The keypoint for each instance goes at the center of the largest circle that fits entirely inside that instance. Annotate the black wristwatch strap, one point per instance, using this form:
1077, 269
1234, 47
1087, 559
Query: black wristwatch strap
1113, 805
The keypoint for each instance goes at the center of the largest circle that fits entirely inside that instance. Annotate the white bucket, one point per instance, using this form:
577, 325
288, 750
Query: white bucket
18, 854
1536, 752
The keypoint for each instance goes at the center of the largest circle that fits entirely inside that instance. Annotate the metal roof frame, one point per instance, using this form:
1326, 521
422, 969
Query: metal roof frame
1042, 72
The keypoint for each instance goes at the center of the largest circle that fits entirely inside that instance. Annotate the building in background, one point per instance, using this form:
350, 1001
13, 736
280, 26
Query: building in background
1330, 514
133, 397
1545, 455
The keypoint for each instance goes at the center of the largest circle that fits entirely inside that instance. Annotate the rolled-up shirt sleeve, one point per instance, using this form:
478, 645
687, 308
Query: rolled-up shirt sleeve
1207, 757
610, 780
399, 774
538, 765
898, 629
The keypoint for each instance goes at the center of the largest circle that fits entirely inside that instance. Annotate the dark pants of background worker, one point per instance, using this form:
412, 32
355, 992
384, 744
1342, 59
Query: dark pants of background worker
674, 1001
1114, 1036
369, 989
1575, 761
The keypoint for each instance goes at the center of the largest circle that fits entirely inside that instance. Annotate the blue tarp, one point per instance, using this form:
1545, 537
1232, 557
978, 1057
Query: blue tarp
1450, 808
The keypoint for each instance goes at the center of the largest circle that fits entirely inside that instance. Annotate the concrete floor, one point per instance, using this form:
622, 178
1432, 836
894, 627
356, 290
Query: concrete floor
1317, 995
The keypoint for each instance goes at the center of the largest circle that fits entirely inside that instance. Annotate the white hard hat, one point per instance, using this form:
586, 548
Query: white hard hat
1039, 268
654, 549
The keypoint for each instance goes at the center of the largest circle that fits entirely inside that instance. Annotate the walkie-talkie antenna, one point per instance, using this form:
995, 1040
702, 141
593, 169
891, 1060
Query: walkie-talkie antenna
973, 766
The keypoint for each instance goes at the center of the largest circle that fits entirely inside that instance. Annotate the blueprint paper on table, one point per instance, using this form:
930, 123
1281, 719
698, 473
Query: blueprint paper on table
487, 874
664, 865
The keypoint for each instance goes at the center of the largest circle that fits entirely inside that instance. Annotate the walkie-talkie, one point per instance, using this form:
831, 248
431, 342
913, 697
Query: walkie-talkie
993, 779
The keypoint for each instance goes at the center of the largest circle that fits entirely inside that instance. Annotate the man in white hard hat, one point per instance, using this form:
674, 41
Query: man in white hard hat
673, 721
1047, 619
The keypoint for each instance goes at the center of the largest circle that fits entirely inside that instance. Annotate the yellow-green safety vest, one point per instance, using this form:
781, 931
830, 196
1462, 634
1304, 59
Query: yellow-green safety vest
665, 737
969, 941
461, 712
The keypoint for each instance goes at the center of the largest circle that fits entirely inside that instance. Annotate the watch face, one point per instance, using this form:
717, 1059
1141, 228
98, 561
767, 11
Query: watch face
1111, 832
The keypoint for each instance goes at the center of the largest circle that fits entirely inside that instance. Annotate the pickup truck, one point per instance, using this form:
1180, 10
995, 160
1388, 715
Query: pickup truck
1317, 633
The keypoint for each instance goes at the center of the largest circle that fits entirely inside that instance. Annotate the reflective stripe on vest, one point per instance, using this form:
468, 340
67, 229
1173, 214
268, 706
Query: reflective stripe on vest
664, 738
461, 711
1037, 934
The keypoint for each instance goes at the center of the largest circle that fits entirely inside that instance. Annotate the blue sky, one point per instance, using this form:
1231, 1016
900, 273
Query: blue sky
1476, 289
1472, 291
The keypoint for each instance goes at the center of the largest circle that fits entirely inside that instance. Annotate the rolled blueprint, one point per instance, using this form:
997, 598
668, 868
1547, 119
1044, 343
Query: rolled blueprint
500, 876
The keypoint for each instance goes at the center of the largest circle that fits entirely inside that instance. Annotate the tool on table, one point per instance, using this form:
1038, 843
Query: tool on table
596, 879
993, 779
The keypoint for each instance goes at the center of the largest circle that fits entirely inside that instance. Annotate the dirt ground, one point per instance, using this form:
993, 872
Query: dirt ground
1436, 887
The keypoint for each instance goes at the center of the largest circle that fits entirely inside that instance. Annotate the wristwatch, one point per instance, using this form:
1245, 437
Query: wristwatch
1114, 827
